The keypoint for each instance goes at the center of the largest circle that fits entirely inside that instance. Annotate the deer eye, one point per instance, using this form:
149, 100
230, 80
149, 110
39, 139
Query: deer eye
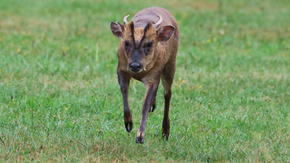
149, 45
127, 47
127, 44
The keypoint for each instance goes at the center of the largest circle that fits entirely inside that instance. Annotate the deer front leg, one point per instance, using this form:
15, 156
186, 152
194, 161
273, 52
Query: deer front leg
124, 80
148, 101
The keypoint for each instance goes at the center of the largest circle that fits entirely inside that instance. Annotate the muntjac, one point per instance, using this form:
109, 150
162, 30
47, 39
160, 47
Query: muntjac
147, 52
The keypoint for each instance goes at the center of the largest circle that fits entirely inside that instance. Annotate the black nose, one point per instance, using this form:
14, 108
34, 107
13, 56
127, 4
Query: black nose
135, 67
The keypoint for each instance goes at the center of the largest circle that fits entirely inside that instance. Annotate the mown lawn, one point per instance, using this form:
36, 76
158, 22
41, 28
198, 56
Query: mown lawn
60, 100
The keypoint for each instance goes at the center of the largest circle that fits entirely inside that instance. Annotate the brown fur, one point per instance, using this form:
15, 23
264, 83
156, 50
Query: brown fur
158, 64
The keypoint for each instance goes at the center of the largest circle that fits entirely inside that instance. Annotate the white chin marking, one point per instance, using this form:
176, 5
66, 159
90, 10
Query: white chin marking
135, 71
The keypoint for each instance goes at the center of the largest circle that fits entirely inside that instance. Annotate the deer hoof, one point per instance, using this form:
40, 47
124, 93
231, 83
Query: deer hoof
165, 128
128, 121
129, 126
166, 136
140, 138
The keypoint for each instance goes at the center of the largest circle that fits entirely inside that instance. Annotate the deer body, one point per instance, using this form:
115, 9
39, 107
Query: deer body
147, 52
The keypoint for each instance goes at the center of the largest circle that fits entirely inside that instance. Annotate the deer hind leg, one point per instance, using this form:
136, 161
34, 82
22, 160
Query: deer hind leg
124, 81
167, 80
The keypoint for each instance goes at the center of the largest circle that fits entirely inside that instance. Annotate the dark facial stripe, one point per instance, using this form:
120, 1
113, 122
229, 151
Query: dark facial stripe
132, 32
145, 30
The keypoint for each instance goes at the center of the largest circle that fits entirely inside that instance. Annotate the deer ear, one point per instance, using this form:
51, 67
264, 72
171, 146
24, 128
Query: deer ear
116, 29
165, 33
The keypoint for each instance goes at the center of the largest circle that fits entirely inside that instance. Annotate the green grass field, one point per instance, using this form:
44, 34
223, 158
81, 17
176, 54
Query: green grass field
60, 100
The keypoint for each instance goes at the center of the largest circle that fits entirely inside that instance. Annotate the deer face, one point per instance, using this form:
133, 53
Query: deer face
140, 44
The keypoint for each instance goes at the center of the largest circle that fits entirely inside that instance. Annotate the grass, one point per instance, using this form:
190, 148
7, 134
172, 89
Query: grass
60, 99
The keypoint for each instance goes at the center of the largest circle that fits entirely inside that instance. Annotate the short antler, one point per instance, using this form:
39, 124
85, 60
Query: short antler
125, 20
160, 20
